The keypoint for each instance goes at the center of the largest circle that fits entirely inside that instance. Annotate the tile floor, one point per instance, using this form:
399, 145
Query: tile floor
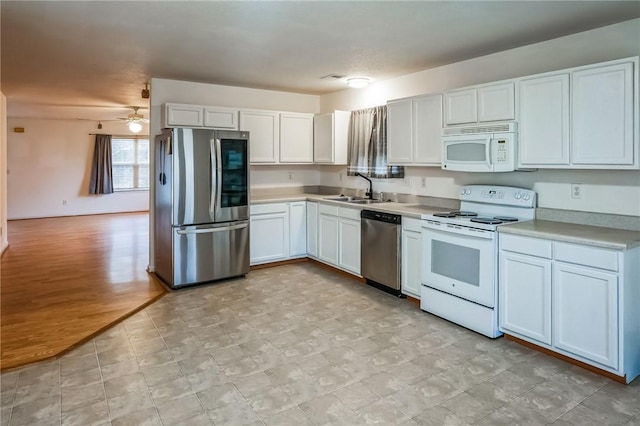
301, 345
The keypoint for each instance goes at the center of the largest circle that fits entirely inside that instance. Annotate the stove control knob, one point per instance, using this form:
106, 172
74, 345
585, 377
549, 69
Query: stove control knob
463, 191
526, 197
468, 192
518, 195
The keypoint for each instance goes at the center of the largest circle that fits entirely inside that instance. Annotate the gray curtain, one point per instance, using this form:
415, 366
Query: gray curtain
368, 144
101, 173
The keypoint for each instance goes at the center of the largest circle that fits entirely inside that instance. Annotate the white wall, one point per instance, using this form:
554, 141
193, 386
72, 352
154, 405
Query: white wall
605, 191
4, 242
51, 162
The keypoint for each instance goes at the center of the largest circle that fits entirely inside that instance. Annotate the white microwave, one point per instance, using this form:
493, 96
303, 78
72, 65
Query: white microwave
488, 148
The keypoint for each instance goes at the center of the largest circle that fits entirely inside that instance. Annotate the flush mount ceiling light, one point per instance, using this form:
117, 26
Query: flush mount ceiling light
358, 82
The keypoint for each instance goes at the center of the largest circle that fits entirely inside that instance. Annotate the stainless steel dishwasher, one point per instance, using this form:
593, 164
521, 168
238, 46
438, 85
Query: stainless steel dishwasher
380, 250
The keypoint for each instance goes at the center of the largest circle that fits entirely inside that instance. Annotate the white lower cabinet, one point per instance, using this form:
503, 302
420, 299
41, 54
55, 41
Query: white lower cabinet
411, 257
525, 296
269, 233
278, 232
577, 300
349, 239
585, 313
297, 229
339, 237
328, 234
312, 229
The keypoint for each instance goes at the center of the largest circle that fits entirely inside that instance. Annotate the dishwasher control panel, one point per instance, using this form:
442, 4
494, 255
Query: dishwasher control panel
381, 216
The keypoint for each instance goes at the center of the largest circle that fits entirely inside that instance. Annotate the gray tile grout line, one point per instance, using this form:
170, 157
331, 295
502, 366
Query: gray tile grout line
104, 389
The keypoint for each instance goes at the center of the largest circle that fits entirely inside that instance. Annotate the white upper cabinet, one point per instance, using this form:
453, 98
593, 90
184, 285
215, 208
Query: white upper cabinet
414, 131
177, 115
544, 121
399, 132
221, 118
490, 102
427, 130
263, 128
580, 118
330, 137
296, 138
602, 116
182, 115
496, 102
461, 107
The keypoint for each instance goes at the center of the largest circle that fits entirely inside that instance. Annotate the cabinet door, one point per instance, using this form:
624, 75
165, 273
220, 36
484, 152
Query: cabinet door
411, 261
312, 229
177, 115
296, 138
602, 115
269, 237
328, 238
496, 102
525, 296
221, 118
263, 128
323, 138
298, 229
349, 244
461, 107
427, 130
585, 313
544, 121
399, 132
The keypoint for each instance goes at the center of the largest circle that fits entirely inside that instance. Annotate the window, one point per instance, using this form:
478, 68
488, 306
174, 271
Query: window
368, 144
130, 163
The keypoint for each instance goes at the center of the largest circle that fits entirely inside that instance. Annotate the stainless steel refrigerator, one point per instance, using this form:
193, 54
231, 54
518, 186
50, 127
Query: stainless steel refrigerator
201, 205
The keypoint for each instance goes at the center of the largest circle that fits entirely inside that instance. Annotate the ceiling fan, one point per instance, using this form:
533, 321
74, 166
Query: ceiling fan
135, 120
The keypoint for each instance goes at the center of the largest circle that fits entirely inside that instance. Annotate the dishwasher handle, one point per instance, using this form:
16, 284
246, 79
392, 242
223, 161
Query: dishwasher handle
381, 216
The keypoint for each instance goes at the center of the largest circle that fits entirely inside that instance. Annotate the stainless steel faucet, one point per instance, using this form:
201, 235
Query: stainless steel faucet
369, 193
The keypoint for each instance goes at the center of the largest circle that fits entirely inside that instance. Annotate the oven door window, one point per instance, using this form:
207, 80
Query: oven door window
453, 261
462, 265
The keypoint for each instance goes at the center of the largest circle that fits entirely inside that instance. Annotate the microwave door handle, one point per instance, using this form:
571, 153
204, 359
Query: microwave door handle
488, 152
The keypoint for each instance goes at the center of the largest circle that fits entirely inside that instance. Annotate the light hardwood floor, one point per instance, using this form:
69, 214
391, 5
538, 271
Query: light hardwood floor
66, 279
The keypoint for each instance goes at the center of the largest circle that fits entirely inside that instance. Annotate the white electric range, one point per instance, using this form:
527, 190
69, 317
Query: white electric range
460, 252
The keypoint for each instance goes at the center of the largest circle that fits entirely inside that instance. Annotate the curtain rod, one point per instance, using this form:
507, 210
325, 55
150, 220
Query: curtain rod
121, 136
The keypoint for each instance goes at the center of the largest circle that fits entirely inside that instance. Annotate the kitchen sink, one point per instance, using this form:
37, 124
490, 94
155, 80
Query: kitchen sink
365, 201
353, 200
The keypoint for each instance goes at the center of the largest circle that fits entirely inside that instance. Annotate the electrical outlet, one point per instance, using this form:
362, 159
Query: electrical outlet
64, 202
290, 175
340, 177
423, 182
576, 191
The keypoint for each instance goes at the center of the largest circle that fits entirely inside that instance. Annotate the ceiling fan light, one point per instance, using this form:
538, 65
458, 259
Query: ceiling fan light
358, 82
134, 126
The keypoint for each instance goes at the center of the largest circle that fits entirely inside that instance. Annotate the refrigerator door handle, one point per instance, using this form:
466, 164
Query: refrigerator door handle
214, 178
218, 171
211, 230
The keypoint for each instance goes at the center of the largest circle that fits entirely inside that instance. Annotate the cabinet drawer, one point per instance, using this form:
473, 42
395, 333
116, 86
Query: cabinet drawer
269, 208
349, 213
411, 224
326, 209
526, 245
587, 256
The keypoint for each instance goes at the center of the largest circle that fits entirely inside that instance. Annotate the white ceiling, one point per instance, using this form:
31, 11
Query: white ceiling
90, 59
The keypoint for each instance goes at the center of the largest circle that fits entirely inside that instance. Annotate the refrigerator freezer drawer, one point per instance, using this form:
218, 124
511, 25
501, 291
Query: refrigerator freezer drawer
209, 253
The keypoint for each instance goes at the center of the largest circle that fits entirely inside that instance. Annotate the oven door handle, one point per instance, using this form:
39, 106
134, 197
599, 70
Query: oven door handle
456, 229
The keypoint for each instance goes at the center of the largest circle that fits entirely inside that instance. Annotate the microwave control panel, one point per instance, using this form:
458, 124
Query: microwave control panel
502, 151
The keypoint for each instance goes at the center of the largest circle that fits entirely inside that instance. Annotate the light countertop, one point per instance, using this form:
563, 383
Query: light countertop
404, 209
597, 236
